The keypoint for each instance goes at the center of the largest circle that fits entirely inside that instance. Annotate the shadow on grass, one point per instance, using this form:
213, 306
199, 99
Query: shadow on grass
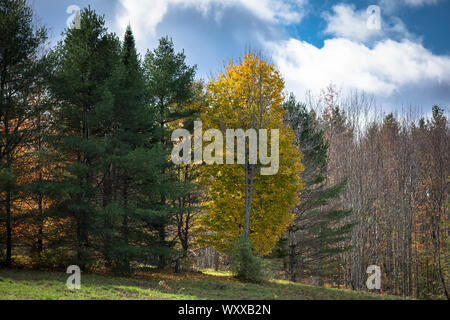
155, 285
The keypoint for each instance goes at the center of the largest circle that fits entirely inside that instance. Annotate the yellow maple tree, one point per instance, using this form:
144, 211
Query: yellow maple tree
249, 95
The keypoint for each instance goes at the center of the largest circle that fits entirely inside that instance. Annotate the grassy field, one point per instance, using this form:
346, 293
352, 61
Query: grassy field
38, 285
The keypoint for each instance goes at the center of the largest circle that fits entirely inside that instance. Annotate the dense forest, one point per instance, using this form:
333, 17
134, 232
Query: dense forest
86, 176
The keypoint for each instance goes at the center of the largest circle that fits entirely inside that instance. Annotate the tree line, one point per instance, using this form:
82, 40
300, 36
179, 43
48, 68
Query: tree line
85, 143
394, 173
86, 175
86, 170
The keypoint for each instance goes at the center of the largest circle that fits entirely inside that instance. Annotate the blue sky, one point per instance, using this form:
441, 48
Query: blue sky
313, 43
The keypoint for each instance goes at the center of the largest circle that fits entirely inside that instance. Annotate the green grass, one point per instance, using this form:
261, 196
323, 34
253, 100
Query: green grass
39, 285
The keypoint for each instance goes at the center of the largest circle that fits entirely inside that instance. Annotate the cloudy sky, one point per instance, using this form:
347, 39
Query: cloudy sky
402, 60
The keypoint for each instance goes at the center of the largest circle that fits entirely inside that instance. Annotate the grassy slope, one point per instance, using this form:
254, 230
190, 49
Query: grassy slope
28, 285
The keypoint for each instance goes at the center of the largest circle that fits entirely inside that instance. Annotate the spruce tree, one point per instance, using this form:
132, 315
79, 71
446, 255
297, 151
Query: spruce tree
314, 239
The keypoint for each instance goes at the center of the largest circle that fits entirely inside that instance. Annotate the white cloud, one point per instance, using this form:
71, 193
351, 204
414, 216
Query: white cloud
388, 68
390, 63
347, 22
145, 16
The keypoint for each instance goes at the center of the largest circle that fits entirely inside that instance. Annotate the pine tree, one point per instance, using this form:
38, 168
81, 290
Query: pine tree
82, 86
315, 237
21, 79
188, 203
134, 171
170, 87
131, 125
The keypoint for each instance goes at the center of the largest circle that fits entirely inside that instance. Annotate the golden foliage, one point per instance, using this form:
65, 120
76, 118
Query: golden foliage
249, 95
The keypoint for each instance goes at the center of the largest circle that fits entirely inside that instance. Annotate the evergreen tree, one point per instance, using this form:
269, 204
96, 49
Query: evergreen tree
134, 171
188, 203
131, 125
82, 86
315, 237
170, 84
21, 79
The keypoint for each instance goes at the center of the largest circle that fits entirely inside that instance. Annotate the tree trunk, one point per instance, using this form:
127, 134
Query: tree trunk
8, 229
292, 258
